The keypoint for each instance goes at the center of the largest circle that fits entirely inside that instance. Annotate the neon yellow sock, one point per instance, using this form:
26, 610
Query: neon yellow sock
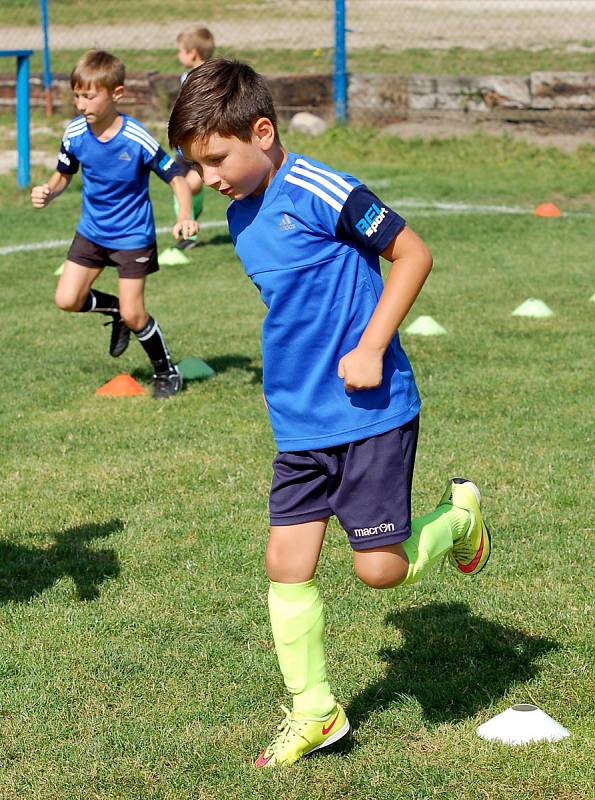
297, 620
431, 538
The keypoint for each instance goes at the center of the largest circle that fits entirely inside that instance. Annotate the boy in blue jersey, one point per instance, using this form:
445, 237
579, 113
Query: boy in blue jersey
116, 228
339, 389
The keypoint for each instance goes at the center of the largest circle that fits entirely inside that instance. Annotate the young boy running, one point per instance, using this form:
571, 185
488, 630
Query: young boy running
116, 227
340, 392
195, 46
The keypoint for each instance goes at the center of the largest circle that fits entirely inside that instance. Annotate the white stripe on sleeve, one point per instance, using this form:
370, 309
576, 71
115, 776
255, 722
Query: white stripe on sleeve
315, 190
341, 181
322, 181
130, 135
142, 133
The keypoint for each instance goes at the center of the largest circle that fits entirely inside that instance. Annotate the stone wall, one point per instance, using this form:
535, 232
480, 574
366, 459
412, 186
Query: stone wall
564, 100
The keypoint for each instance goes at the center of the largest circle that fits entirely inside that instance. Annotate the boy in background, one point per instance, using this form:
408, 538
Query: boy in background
116, 227
339, 388
195, 46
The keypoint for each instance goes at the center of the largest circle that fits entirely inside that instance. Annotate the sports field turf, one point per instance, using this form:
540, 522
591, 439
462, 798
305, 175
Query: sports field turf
135, 656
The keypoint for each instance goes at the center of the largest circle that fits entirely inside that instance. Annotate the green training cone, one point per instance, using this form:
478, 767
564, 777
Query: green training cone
194, 369
425, 326
171, 257
60, 270
592, 298
533, 308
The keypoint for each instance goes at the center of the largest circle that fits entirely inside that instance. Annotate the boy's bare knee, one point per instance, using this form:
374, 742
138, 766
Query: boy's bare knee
276, 562
68, 301
380, 573
134, 318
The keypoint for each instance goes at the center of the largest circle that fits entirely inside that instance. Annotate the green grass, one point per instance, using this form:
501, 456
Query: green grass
451, 61
67, 12
136, 657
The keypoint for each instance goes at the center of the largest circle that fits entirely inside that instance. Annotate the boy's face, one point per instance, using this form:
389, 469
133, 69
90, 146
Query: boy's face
97, 103
232, 167
188, 58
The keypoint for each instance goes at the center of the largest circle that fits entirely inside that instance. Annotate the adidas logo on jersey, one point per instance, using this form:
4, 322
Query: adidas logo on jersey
286, 224
124, 156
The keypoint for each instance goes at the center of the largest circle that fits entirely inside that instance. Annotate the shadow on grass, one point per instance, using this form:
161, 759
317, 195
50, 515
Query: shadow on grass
218, 363
218, 238
452, 662
26, 572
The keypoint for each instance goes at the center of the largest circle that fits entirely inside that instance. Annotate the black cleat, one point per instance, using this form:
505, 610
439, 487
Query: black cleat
120, 336
187, 244
167, 384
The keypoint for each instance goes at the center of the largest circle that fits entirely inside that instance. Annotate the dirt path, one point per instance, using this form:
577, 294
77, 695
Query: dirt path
309, 23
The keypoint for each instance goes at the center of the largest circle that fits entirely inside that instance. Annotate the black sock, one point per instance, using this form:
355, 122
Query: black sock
152, 340
101, 302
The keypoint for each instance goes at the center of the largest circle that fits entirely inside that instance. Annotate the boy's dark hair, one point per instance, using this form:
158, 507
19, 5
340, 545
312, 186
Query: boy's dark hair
98, 68
199, 39
221, 96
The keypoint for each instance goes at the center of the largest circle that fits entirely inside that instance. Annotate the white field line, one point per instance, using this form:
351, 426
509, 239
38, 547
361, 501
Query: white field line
51, 244
421, 207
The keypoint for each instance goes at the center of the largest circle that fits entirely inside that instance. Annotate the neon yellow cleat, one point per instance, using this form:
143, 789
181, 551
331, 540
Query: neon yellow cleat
298, 736
470, 553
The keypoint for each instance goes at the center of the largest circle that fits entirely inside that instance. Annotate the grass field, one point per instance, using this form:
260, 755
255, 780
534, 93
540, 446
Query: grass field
450, 61
136, 659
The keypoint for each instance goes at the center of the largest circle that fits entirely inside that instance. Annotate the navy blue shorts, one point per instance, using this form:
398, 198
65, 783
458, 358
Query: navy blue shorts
365, 484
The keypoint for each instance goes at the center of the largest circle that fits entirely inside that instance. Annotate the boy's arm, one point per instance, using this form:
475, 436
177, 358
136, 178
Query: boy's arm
46, 192
185, 226
361, 368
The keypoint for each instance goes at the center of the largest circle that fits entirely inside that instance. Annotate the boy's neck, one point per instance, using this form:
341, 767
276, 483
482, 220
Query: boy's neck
105, 129
278, 157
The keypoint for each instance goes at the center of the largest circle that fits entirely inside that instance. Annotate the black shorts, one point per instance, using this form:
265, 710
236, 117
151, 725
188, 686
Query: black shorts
129, 263
365, 484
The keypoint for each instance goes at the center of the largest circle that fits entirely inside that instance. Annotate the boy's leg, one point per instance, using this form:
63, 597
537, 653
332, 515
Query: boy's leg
297, 615
455, 528
132, 308
74, 293
73, 290
297, 620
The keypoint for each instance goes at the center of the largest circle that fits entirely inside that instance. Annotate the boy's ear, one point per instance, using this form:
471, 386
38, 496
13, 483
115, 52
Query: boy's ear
117, 94
264, 131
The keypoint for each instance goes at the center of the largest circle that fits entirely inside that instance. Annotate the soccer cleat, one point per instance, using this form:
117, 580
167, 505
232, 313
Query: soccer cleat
167, 384
299, 736
471, 551
187, 244
120, 336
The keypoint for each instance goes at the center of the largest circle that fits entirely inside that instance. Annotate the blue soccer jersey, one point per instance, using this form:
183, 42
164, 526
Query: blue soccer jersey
310, 243
116, 209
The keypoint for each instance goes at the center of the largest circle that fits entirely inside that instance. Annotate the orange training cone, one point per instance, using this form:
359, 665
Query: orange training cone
547, 210
122, 385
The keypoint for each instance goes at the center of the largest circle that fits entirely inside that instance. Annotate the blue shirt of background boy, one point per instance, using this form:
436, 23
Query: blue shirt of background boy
310, 243
116, 211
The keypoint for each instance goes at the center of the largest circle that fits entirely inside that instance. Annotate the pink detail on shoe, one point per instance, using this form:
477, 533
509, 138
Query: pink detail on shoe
467, 568
330, 727
261, 761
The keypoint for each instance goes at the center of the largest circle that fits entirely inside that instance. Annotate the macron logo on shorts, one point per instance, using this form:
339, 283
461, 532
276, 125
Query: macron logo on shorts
384, 527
